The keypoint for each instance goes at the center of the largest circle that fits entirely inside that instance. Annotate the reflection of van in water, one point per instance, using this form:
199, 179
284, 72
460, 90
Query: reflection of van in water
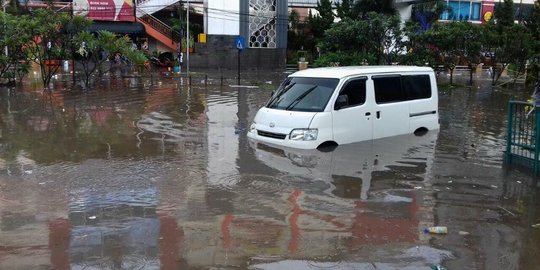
343, 105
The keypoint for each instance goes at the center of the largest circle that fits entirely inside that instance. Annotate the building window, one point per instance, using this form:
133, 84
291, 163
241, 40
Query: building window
462, 11
262, 23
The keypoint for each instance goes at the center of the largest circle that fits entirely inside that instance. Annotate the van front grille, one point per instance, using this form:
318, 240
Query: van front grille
271, 135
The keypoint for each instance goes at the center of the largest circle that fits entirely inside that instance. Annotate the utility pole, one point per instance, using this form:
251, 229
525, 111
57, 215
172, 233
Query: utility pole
4, 6
520, 11
187, 38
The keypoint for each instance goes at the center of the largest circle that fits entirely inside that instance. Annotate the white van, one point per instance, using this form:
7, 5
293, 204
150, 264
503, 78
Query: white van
340, 105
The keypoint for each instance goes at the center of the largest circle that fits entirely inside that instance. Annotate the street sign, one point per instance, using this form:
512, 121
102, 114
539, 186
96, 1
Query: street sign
239, 42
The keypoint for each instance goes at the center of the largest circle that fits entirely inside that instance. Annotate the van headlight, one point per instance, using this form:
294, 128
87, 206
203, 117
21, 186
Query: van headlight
253, 127
303, 134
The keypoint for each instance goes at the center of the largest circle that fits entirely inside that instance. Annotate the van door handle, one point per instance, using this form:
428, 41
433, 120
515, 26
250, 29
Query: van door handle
378, 114
368, 114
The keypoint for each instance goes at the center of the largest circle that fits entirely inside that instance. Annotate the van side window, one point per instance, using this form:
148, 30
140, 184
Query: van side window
388, 89
416, 86
355, 91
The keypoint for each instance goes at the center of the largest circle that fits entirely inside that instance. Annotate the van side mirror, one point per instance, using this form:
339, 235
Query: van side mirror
341, 101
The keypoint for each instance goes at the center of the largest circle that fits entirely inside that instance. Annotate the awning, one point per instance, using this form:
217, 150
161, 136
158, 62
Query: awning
130, 28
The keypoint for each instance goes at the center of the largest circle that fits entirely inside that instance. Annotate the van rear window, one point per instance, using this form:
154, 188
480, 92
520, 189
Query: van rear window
416, 86
396, 88
303, 94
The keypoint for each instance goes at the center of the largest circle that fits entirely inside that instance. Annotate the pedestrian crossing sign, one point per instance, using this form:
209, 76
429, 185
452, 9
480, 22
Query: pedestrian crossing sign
239, 42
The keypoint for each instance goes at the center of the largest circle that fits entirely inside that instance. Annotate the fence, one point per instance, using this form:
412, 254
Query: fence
523, 134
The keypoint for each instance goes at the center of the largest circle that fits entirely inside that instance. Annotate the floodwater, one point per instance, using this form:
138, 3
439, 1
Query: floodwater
162, 176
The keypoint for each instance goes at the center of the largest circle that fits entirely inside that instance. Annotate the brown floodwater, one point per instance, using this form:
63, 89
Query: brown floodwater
156, 174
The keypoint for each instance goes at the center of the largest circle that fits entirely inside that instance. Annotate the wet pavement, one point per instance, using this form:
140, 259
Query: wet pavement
162, 176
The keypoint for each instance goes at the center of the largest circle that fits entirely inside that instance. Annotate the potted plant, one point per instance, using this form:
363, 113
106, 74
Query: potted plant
185, 43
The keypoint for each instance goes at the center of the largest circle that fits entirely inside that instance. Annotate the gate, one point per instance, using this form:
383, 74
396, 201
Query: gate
523, 133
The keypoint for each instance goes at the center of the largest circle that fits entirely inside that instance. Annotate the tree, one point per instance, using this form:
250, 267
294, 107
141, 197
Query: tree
49, 40
91, 48
456, 44
345, 9
504, 14
469, 46
363, 7
506, 42
13, 38
323, 20
533, 26
298, 36
375, 40
419, 45
386, 37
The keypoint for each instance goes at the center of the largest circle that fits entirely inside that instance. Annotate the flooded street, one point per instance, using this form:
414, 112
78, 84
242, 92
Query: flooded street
135, 176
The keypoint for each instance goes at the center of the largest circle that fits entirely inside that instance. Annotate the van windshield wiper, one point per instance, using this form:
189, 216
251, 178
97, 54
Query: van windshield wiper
300, 97
287, 88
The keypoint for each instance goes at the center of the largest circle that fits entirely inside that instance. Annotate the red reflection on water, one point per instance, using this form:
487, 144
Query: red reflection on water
370, 228
225, 230
171, 238
59, 238
293, 221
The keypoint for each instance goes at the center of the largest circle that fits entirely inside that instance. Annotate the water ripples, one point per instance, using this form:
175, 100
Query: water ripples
132, 164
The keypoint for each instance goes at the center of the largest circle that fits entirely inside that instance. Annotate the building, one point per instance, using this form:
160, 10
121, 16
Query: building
262, 24
481, 11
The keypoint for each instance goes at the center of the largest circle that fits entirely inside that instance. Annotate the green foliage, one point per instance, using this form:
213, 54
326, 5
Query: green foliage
506, 42
420, 48
50, 40
345, 9
14, 38
340, 58
504, 14
184, 42
379, 36
323, 20
533, 26
179, 25
363, 7
90, 46
299, 36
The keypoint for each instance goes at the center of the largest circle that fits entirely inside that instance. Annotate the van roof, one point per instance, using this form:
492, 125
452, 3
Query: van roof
341, 72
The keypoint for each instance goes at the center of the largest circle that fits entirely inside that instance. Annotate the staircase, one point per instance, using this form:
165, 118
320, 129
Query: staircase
158, 30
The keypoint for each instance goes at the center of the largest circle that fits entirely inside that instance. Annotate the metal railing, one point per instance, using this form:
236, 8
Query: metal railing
523, 134
159, 26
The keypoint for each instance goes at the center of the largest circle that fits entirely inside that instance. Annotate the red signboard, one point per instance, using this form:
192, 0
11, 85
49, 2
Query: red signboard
105, 10
488, 10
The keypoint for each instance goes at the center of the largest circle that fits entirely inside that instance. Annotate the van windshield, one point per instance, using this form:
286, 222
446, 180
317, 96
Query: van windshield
303, 94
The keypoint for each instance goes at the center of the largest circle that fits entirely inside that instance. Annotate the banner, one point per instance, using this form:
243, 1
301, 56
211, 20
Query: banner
488, 10
105, 10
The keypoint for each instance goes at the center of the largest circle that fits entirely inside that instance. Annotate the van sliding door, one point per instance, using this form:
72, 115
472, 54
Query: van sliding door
391, 111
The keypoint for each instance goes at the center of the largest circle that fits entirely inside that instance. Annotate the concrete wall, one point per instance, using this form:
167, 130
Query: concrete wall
220, 53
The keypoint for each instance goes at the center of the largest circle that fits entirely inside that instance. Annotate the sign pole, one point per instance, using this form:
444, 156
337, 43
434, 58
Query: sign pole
239, 43
239, 67
187, 38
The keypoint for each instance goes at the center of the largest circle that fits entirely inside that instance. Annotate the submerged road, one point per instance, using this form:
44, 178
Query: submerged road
133, 176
